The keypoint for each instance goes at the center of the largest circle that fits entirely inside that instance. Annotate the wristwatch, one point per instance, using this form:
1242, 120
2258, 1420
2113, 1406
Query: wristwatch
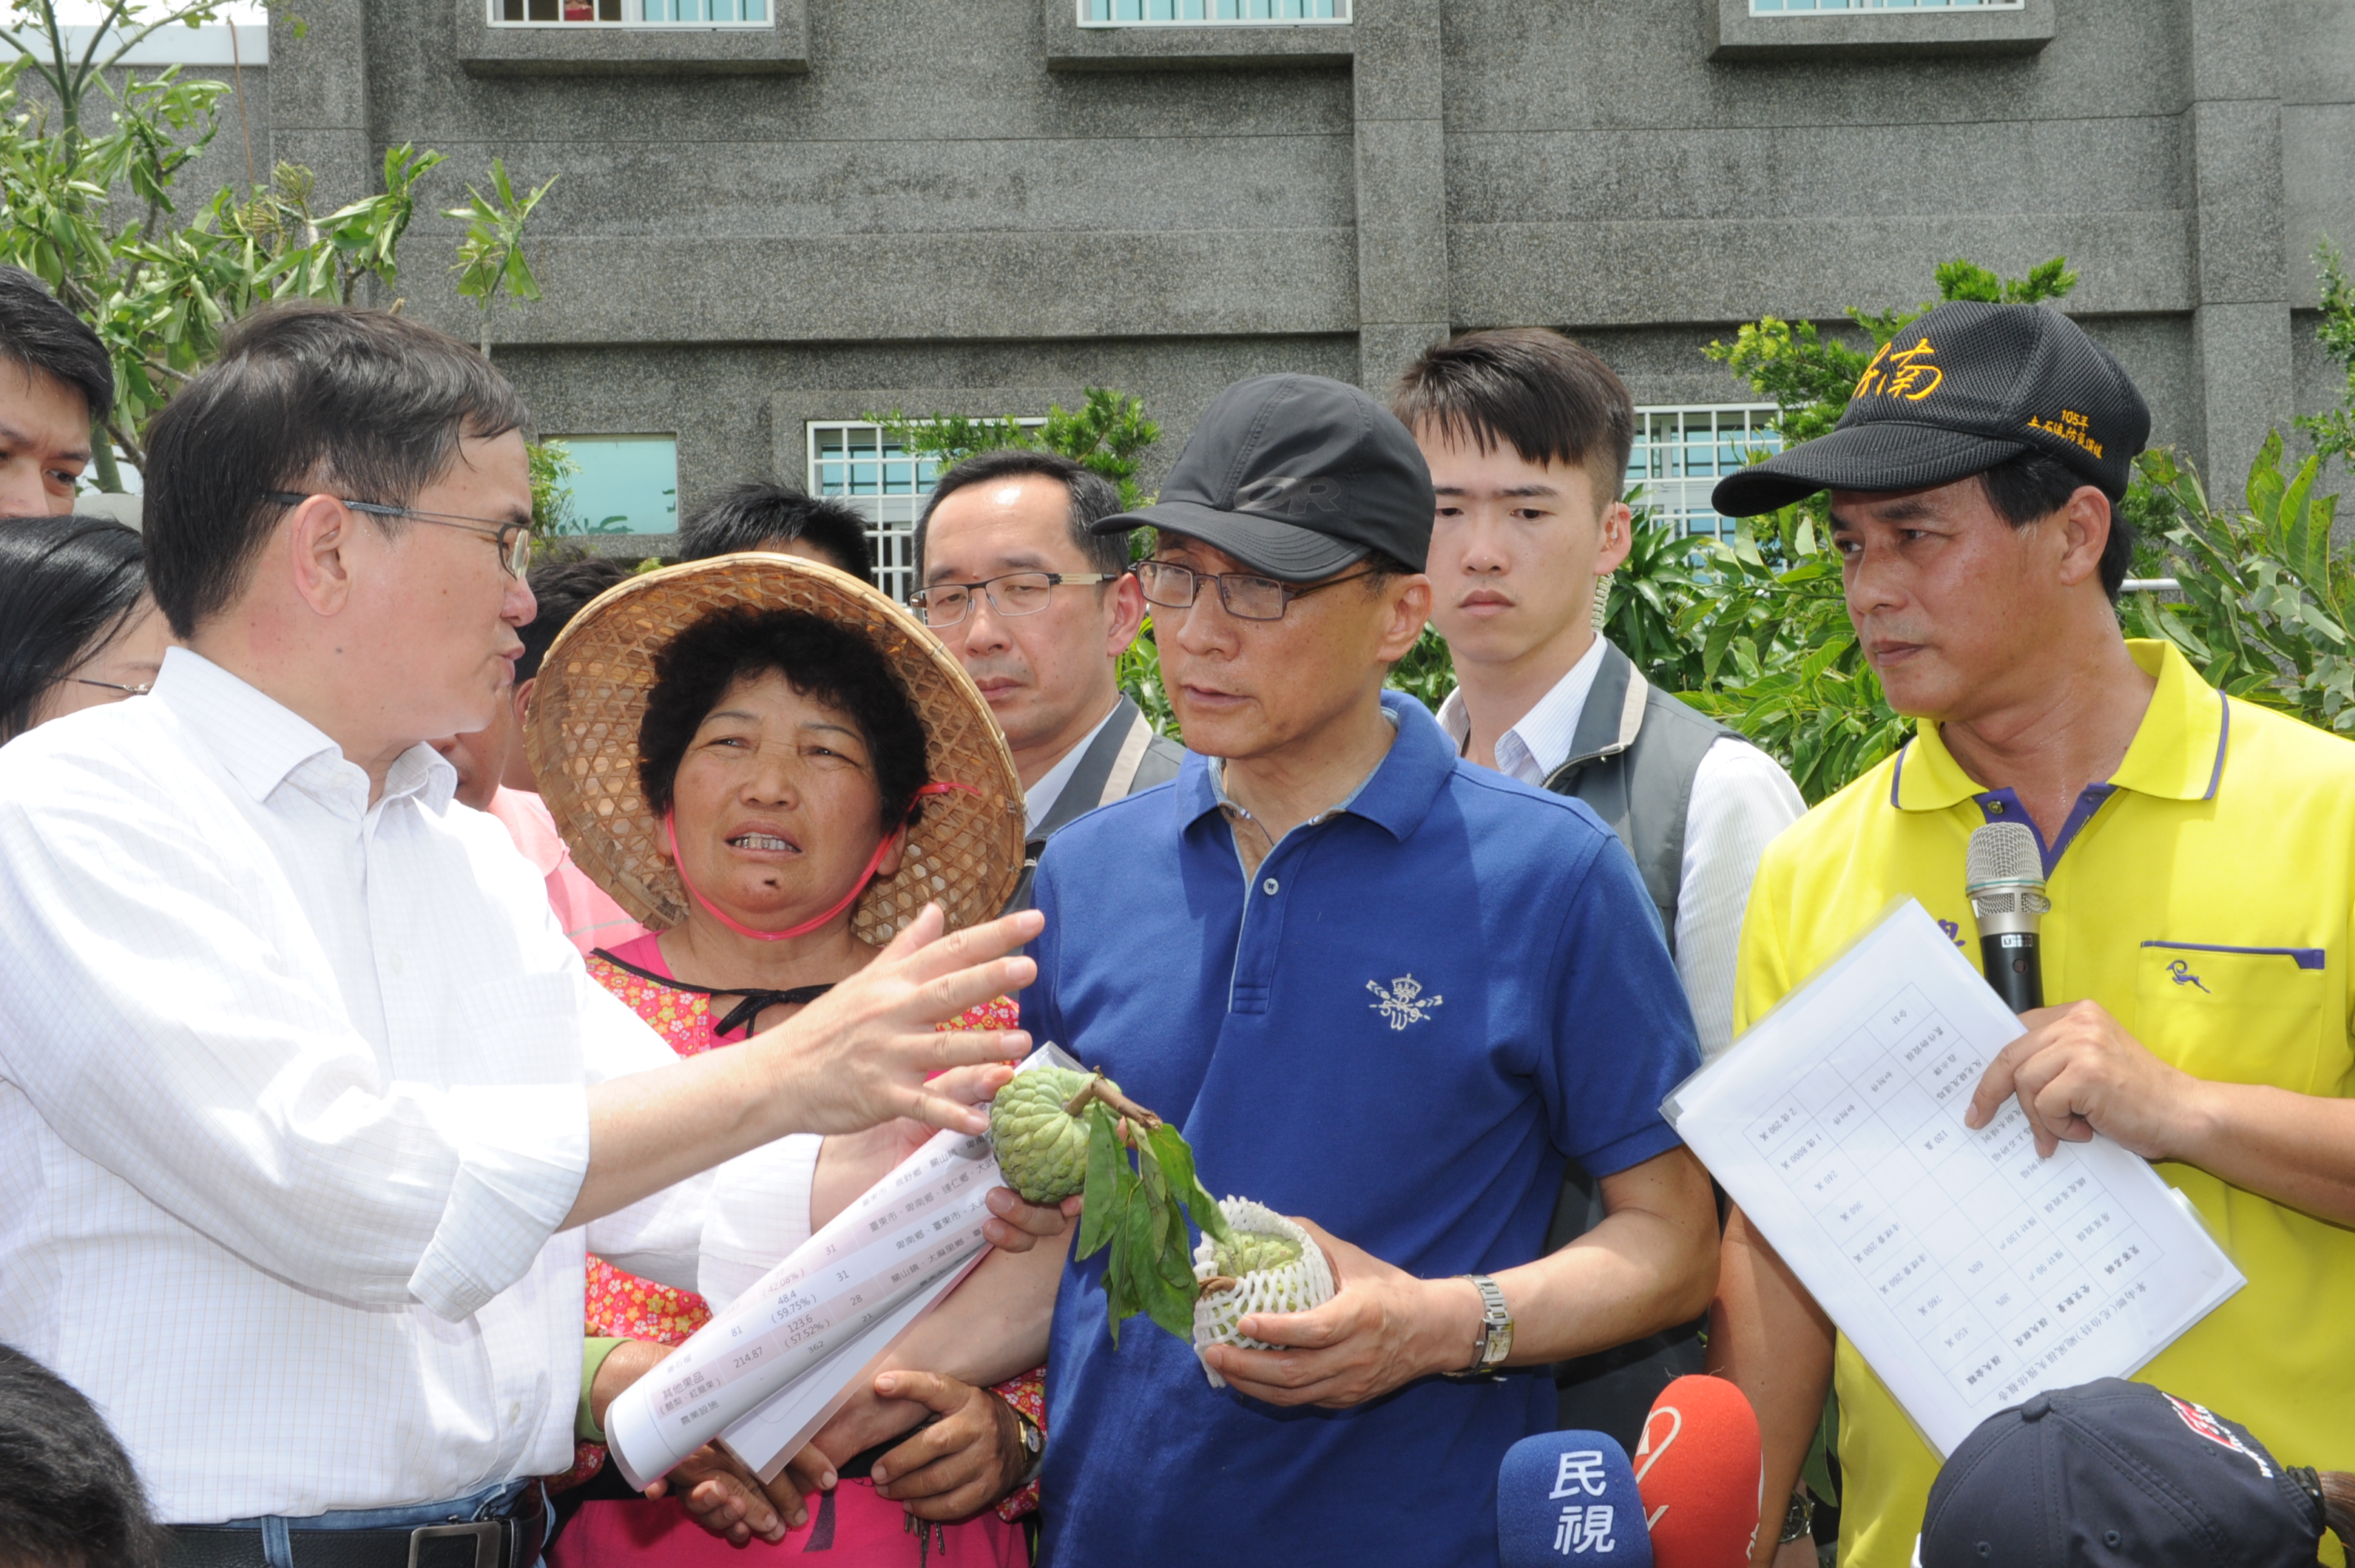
1033, 1444
1496, 1334
1799, 1522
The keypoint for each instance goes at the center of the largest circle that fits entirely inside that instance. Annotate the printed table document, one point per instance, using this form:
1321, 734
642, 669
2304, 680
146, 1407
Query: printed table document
1968, 1272
770, 1368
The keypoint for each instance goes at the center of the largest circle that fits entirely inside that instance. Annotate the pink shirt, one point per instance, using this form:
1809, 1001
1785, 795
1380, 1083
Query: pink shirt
591, 920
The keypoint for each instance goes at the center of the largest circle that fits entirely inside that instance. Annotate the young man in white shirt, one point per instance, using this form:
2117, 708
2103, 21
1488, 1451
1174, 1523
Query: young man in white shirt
1527, 434
1039, 611
309, 1108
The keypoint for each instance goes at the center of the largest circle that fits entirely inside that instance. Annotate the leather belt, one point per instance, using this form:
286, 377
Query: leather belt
514, 1540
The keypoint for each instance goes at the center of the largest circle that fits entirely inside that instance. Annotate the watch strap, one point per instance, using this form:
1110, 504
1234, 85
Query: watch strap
1495, 1329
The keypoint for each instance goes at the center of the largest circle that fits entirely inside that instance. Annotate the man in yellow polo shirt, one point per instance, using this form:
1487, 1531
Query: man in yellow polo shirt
2199, 853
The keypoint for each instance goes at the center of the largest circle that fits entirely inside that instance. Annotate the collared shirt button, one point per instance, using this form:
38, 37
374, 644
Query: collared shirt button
1268, 886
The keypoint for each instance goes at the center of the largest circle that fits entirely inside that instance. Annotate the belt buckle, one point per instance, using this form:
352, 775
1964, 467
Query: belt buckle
486, 1533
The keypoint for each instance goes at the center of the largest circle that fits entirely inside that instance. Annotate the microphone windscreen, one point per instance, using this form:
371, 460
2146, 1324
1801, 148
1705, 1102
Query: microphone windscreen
2002, 854
1568, 1497
1700, 1469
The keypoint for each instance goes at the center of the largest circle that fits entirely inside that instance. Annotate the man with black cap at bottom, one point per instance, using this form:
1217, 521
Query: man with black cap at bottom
2119, 1473
1377, 987
2198, 853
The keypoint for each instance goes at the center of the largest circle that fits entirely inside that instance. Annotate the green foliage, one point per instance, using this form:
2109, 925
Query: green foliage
1108, 433
2268, 609
1141, 1189
2333, 433
159, 293
1139, 675
491, 261
1643, 598
92, 207
1779, 657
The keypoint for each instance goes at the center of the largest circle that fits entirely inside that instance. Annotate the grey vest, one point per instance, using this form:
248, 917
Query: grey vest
1633, 761
1126, 756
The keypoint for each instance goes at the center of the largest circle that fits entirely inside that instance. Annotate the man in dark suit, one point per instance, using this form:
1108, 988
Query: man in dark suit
1039, 609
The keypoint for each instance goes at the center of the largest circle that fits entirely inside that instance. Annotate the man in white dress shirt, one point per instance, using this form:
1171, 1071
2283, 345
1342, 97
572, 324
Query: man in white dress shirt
1039, 611
307, 1108
1527, 434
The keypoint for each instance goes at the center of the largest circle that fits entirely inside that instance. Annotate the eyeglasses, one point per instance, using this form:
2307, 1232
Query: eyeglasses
140, 690
1016, 593
1247, 598
515, 539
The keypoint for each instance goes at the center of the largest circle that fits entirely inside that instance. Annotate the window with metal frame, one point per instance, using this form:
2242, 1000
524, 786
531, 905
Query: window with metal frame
1681, 453
631, 13
1209, 12
1837, 8
865, 468
622, 483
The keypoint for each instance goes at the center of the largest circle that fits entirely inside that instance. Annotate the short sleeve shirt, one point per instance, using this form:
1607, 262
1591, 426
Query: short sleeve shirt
1398, 1028
2204, 893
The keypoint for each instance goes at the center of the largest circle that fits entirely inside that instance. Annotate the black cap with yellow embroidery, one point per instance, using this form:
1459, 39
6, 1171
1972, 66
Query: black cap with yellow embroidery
1961, 390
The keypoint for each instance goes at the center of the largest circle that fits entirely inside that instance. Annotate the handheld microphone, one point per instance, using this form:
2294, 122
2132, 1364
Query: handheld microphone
1568, 1497
2003, 872
1700, 1469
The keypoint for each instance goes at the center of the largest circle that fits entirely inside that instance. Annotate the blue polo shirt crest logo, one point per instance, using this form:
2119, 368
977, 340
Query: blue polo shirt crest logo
1403, 1003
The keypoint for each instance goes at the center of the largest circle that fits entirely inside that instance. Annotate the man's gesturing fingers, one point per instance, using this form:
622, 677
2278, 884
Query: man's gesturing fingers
1995, 1083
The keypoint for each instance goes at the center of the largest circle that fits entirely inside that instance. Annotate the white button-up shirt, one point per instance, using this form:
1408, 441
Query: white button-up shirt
293, 1099
1740, 799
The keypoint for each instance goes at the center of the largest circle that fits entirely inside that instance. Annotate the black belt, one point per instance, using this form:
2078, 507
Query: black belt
511, 1540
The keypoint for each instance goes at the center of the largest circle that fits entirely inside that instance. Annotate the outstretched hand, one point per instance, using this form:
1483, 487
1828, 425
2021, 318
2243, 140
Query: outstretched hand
1382, 1328
861, 1054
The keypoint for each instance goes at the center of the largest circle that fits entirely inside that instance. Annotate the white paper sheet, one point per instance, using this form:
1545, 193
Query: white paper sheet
814, 1324
1968, 1272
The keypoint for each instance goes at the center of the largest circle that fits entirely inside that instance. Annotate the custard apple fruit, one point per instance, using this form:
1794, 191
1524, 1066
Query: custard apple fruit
1276, 1267
1042, 1149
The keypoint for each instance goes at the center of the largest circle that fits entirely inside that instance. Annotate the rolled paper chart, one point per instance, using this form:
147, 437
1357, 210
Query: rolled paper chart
921, 1222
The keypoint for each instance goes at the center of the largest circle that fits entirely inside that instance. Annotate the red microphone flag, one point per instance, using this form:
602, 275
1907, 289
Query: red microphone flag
1699, 1471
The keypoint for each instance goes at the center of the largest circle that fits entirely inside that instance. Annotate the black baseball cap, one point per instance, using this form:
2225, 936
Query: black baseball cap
1961, 390
2117, 1472
1295, 476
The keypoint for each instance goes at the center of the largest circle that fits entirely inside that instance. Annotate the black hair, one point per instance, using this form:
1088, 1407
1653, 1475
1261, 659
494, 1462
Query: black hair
1548, 398
822, 661
1094, 499
67, 585
563, 587
304, 397
748, 516
43, 336
72, 1499
2031, 486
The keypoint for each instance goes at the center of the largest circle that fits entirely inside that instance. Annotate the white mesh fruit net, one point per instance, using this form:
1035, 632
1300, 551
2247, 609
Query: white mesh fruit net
1298, 1286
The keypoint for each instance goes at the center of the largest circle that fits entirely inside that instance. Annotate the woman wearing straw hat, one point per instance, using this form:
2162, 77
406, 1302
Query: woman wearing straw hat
772, 766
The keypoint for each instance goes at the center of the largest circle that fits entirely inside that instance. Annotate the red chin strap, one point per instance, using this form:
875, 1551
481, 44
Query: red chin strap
670, 832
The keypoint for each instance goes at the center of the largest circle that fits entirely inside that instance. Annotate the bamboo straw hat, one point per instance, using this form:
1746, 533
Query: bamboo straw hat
964, 852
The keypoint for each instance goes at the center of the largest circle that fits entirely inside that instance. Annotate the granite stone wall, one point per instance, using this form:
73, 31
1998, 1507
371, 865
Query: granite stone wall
900, 200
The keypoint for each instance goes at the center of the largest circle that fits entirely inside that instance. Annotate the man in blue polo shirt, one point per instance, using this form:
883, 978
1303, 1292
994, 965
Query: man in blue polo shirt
1376, 987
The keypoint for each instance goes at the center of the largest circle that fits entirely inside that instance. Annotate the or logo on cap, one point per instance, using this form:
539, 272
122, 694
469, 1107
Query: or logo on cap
2070, 426
2203, 1421
1897, 372
1282, 496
